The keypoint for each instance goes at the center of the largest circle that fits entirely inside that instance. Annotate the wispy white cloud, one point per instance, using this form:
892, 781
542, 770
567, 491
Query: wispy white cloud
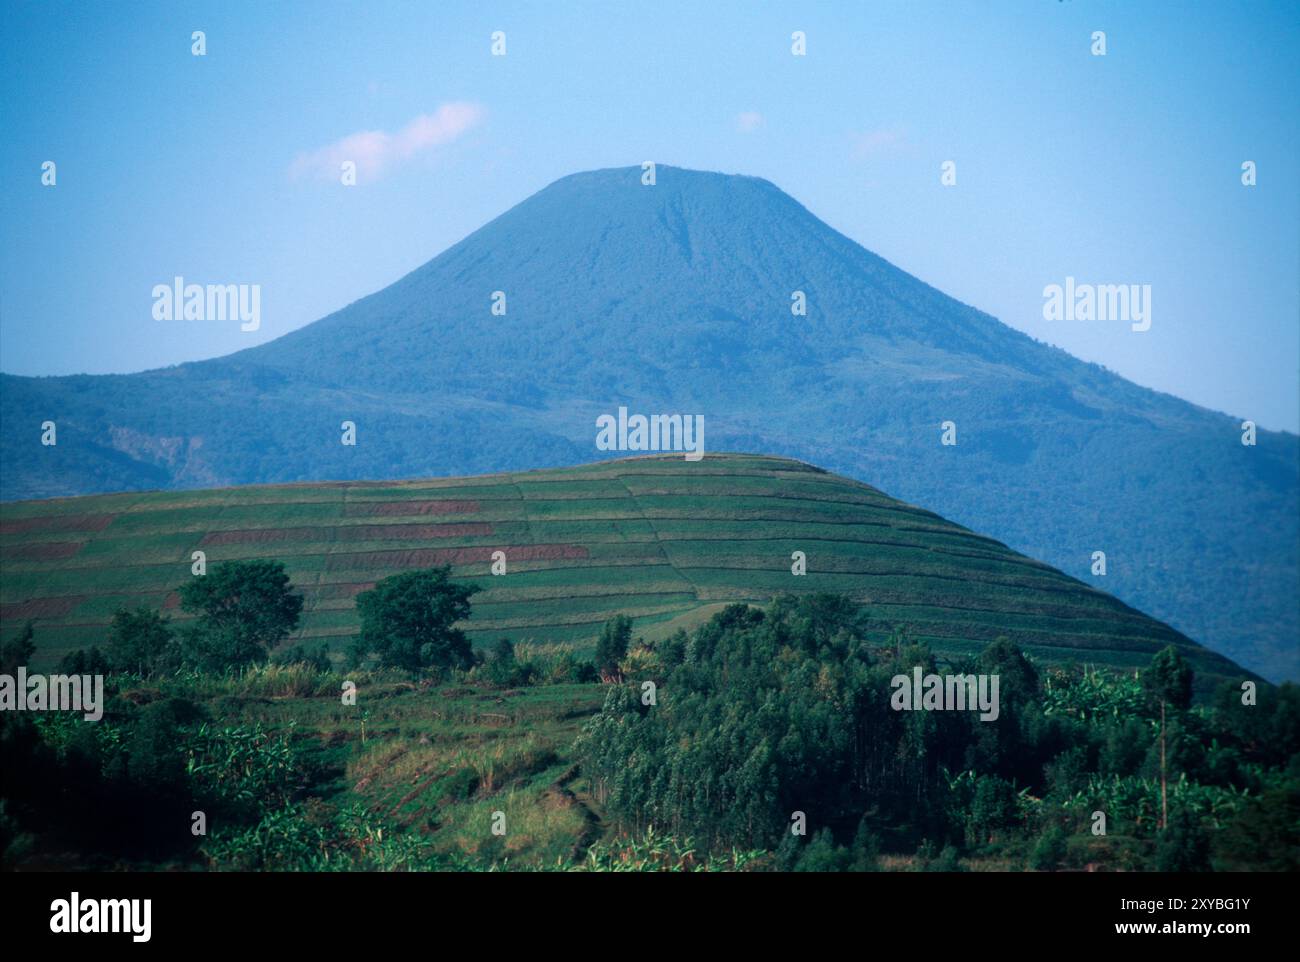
749, 121
375, 152
875, 142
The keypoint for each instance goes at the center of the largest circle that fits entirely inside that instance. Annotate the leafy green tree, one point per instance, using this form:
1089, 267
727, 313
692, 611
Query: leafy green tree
19, 651
1168, 681
1008, 746
408, 620
153, 747
671, 652
138, 640
611, 649
992, 808
244, 609
787, 853
865, 852
85, 661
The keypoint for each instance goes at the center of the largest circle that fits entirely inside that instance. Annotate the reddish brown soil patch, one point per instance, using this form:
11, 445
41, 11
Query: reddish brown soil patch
260, 536
426, 557
387, 508
40, 608
45, 550
335, 592
361, 532
412, 532
58, 523
173, 600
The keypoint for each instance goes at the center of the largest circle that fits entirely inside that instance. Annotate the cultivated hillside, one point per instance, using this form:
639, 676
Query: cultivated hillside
662, 539
676, 298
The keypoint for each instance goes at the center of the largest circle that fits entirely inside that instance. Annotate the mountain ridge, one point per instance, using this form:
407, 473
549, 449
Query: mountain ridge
662, 539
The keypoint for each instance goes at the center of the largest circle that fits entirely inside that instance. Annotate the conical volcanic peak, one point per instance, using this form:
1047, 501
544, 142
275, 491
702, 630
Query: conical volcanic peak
719, 296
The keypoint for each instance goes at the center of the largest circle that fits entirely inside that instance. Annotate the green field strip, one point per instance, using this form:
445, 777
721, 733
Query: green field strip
848, 531
582, 637
635, 574
753, 487
841, 554
596, 531
1024, 621
870, 570
550, 609
988, 633
596, 618
227, 516
589, 589
450, 491
533, 490
64, 507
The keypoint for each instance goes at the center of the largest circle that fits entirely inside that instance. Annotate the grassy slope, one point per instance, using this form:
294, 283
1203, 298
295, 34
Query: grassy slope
658, 538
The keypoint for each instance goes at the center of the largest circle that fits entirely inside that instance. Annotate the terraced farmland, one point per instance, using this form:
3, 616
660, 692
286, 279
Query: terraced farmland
661, 539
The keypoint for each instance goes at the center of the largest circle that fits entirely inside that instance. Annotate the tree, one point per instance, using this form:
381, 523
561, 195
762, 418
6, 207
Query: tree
138, 640
865, 851
408, 619
769, 713
611, 649
992, 808
19, 651
1004, 746
1169, 681
244, 608
85, 661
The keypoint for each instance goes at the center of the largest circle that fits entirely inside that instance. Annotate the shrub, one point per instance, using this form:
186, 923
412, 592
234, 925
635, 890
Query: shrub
1049, 851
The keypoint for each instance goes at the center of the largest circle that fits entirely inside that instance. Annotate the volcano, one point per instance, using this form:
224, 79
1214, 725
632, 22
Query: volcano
600, 292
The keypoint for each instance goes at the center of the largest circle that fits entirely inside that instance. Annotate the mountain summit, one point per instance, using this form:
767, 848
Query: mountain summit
676, 298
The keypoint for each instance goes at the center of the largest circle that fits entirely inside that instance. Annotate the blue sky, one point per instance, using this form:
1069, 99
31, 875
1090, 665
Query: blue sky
1117, 169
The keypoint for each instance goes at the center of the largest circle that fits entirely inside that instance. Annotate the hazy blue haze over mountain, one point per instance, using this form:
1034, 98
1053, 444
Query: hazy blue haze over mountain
676, 299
